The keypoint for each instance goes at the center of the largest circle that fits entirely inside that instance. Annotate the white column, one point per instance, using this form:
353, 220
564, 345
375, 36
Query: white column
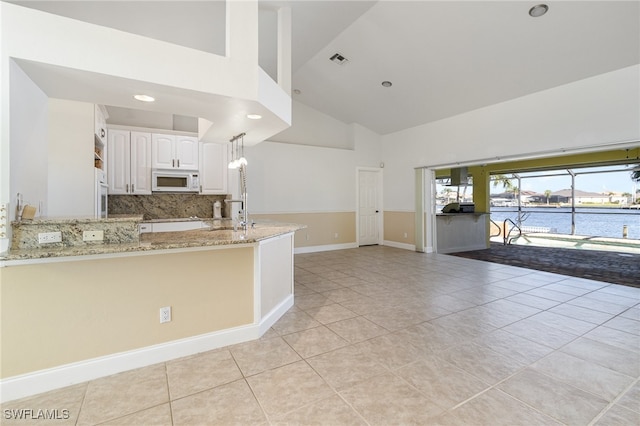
242, 31
284, 49
420, 203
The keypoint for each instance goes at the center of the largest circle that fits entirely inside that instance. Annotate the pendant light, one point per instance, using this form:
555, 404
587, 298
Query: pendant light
242, 161
237, 157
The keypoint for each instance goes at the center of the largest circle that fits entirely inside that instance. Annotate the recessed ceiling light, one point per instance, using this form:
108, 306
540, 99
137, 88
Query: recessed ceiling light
254, 116
144, 98
538, 10
387, 83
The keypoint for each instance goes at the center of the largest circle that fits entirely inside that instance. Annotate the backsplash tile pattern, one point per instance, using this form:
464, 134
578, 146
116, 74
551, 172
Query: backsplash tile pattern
165, 206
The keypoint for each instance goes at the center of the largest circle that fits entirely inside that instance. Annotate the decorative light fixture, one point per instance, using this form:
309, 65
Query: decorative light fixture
144, 98
254, 116
237, 152
538, 10
387, 83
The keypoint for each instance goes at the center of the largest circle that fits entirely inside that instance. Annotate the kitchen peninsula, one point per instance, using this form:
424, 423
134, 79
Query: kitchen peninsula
89, 310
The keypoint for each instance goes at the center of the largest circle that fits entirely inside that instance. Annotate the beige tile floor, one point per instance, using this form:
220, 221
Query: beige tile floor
384, 336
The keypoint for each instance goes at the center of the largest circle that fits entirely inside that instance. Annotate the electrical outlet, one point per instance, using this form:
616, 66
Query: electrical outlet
405, 235
93, 236
165, 314
335, 235
49, 237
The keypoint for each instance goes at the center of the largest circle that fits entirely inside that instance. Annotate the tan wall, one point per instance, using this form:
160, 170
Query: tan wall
57, 313
321, 227
396, 224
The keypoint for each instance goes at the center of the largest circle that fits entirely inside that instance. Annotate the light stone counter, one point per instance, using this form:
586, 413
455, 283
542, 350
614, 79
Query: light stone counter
94, 309
159, 241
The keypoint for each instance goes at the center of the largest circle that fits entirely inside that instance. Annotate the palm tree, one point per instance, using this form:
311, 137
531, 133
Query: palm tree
547, 193
515, 191
506, 182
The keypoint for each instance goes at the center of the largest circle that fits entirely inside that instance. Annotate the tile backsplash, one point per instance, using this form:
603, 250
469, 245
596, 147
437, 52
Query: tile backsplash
165, 206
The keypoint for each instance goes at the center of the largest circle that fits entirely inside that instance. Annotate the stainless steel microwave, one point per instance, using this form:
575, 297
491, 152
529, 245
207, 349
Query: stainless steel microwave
175, 181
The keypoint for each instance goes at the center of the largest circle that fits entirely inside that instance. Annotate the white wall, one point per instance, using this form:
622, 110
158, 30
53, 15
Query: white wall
29, 151
287, 178
601, 110
314, 170
71, 43
312, 127
71, 177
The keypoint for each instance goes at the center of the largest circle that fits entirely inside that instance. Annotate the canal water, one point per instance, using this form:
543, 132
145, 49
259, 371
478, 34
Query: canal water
597, 222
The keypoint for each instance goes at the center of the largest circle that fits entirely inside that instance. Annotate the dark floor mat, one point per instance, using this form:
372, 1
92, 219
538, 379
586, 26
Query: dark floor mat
611, 267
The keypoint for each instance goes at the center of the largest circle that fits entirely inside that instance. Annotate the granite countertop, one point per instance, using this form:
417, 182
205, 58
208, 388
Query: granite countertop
110, 219
163, 241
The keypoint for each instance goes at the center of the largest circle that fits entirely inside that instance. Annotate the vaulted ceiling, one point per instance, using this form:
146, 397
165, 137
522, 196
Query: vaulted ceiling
442, 57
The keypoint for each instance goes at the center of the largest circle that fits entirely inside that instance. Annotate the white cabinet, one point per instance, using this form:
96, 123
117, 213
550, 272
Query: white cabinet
140, 163
129, 162
174, 152
213, 168
100, 124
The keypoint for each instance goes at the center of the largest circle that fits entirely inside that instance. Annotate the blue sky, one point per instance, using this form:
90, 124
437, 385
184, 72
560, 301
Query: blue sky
611, 181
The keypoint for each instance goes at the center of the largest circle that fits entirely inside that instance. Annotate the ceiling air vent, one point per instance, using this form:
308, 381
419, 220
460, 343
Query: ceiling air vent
339, 59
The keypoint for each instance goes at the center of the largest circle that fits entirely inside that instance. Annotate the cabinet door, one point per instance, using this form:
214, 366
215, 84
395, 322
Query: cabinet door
100, 124
140, 163
213, 168
187, 152
118, 161
163, 151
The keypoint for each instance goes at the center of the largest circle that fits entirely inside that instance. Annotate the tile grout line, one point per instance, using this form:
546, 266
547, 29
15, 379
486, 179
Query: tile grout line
614, 402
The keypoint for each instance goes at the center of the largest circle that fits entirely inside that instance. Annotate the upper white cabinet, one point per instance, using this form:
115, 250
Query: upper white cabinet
174, 152
100, 137
140, 163
129, 162
213, 168
100, 124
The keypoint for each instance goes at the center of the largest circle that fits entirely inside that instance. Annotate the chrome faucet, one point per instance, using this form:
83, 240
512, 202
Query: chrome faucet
244, 222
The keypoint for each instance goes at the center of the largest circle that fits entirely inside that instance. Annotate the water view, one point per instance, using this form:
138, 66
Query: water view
600, 222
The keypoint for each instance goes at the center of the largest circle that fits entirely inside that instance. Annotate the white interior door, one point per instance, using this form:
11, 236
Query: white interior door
369, 210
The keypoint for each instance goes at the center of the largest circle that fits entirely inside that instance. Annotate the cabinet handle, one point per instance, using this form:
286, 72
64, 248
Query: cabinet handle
178, 163
173, 162
127, 188
133, 188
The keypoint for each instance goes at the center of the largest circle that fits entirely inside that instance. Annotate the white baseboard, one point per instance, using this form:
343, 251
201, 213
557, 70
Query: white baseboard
78, 372
396, 244
328, 247
275, 314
